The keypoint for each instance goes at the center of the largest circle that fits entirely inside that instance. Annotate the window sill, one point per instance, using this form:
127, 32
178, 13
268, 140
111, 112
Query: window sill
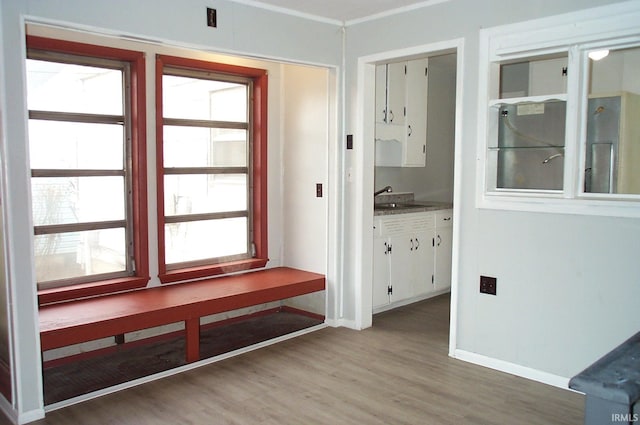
92, 289
212, 270
547, 203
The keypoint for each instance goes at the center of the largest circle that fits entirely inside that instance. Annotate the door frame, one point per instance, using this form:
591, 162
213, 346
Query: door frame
364, 175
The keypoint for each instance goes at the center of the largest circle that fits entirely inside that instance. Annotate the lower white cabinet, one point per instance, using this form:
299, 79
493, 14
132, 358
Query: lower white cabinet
408, 253
443, 244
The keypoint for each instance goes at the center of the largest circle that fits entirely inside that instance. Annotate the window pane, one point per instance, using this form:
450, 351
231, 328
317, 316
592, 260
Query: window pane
62, 200
200, 240
203, 193
68, 145
204, 147
531, 145
78, 254
193, 98
64, 87
536, 77
612, 151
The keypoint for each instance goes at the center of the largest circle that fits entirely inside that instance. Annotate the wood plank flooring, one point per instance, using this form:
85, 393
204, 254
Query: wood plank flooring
396, 372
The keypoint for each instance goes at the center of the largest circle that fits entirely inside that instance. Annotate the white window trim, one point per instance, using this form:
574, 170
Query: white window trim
591, 28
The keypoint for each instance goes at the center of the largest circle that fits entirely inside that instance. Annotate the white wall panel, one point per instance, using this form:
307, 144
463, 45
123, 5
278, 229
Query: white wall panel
305, 143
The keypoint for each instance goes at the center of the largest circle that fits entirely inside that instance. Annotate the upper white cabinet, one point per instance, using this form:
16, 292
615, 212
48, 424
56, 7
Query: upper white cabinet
548, 77
391, 80
401, 114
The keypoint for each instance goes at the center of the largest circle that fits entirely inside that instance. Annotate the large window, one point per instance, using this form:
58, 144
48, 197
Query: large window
211, 162
86, 127
559, 121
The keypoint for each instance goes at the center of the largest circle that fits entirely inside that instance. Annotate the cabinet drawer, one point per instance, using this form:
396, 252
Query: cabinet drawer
444, 218
403, 223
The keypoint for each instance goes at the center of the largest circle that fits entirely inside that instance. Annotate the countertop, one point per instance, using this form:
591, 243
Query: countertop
389, 208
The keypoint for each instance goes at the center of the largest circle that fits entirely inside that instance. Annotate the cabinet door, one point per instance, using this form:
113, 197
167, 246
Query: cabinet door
381, 93
415, 151
396, 92
422, 267
547, 77
380, 272
443, 248
399, 268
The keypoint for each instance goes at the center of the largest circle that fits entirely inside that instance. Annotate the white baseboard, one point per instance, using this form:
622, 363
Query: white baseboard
30, 416
338, 323
19, 418
8, 410
513, 369
408, 301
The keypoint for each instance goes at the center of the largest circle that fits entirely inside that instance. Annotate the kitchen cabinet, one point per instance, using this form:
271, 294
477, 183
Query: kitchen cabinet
540, 77
401, 114
391, 80
404, 258
548, 77
443, 248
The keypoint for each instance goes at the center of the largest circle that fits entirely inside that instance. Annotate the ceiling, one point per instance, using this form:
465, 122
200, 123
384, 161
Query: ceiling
341, 10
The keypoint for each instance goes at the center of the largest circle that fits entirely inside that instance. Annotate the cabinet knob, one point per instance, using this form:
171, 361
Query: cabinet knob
410, 130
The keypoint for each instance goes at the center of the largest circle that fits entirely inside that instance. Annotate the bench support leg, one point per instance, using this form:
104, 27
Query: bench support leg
598, 411
192, 328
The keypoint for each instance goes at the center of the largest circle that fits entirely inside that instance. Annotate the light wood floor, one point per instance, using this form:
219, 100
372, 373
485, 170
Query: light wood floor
396, 372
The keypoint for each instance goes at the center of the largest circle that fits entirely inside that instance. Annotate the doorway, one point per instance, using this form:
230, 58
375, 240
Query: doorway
365, 179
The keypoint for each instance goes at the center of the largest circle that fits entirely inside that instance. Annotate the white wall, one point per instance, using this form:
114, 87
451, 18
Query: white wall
305, 114
242, 30
567, 285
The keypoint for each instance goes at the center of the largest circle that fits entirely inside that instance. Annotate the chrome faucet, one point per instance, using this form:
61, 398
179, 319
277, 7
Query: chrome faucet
384, 189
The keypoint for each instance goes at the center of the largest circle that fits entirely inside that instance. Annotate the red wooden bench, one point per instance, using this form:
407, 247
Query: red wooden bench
112, 315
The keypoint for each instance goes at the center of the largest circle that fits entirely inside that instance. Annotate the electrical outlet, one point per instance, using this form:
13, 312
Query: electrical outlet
212, 17
488, 285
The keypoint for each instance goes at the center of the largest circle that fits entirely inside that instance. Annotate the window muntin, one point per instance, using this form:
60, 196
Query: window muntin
213, 217
80, 152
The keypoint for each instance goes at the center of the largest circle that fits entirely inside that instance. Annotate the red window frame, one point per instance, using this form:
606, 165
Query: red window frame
258, 159
139, 170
